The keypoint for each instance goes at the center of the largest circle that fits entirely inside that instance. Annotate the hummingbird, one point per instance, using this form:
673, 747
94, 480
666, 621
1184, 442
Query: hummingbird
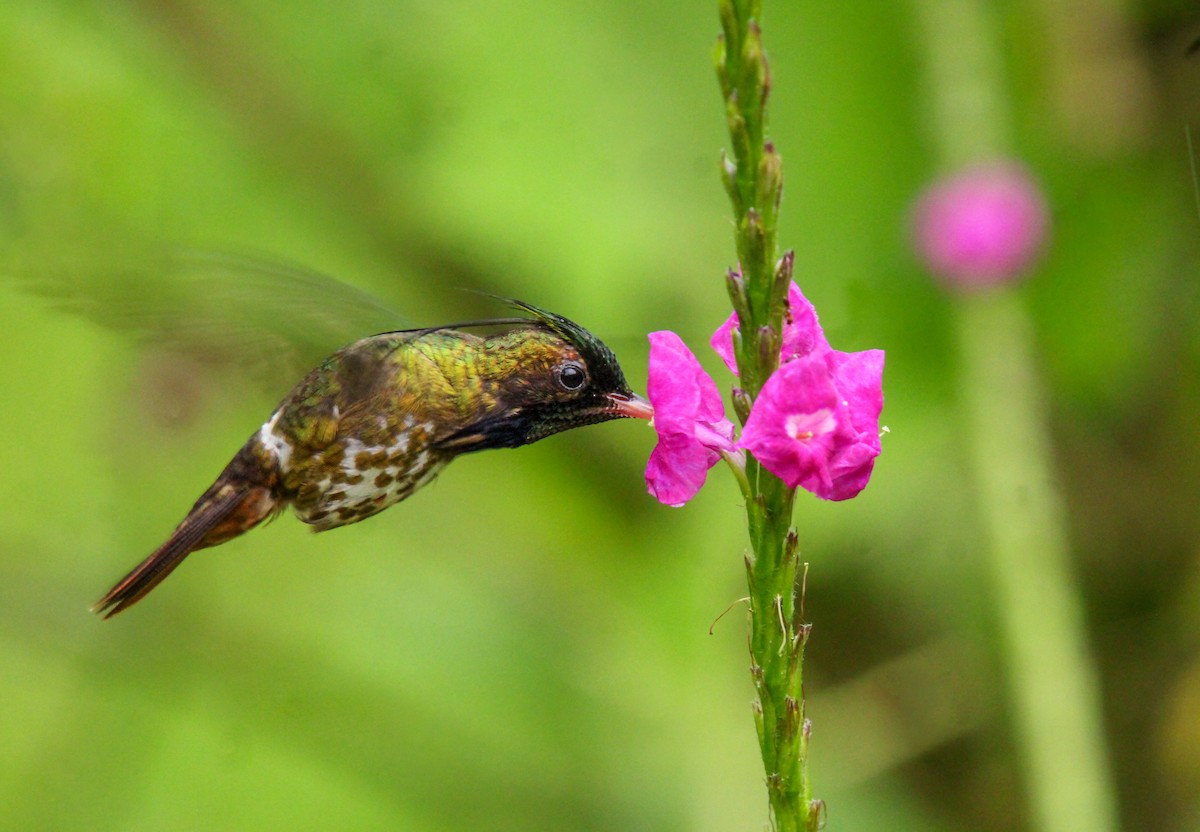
380, 418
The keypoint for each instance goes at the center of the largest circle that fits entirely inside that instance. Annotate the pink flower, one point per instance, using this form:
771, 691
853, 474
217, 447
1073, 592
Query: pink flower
689, 419
983, 226
802, 333
815, 424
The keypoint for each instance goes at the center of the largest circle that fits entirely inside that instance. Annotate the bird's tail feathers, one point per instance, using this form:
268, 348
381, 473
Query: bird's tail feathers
225, 511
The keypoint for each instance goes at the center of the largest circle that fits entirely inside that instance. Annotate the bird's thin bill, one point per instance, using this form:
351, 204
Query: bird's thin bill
633, 406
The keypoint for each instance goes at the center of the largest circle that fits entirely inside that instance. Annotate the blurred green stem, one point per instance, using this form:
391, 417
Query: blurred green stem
1052, 680
758, 291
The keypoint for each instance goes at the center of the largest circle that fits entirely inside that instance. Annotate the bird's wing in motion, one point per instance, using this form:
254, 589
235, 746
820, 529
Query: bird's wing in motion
271, 321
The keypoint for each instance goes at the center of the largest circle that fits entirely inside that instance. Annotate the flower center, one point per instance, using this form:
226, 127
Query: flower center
804, 426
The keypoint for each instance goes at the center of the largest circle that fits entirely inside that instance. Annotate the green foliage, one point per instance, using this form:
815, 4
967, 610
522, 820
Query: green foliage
525, 644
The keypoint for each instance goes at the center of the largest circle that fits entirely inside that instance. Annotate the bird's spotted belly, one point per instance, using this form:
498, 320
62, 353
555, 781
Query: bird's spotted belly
365, 481
353, 479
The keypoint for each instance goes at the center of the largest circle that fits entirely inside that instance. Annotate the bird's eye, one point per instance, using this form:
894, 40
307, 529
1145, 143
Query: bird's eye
571, 376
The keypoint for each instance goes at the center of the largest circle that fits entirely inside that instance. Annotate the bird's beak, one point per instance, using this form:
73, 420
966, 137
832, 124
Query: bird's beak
632, 406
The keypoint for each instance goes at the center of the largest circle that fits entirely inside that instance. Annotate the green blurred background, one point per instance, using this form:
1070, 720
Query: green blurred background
525, 644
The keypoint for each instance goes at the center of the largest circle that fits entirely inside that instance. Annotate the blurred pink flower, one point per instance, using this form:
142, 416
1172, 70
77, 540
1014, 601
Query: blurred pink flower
983, 226
689, 419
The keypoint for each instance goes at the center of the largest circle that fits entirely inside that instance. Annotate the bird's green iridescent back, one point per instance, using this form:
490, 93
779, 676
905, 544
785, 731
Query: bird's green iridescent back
378, 419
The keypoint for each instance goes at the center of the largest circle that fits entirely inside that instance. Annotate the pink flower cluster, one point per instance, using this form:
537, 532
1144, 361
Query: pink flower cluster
815, 423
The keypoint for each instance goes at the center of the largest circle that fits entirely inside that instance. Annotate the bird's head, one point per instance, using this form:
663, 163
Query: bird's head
547, 376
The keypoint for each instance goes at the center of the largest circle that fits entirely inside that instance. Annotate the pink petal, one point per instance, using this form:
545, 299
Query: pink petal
800, 393
815, 424
680, 390
689, 418
677, 469
802, 334
722, 342
671, 384
858, 377
849, 471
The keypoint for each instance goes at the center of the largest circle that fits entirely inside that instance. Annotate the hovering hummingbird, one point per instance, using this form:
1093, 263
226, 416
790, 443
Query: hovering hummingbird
379, 418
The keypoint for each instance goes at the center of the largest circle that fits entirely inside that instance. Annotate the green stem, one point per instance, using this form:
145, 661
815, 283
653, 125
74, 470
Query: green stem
758, 291
777, 640
1052, 679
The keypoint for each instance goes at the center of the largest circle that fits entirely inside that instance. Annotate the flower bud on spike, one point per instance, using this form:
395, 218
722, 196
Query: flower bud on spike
791, 545
816, 814
783, 279
754, 62
768, 347
729, 24
783, 269
719, 58
791, 716
755, 236
737, 127
770, 175
738, 135
729, 180
736, 286
741, 404
761, 65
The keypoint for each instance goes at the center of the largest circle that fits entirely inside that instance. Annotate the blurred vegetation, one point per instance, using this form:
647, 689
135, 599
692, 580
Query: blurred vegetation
524, 645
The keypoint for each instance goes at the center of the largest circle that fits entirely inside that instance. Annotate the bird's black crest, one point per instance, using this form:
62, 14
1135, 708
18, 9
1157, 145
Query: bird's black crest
601, 362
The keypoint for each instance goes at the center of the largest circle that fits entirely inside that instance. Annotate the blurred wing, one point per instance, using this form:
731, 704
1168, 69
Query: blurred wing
271, 321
